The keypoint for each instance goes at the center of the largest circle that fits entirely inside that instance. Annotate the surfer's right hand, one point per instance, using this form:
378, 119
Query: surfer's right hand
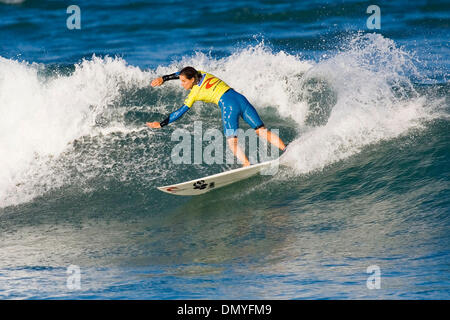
153, 125
157, 82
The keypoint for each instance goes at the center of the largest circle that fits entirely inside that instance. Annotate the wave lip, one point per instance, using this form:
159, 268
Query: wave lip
374, 99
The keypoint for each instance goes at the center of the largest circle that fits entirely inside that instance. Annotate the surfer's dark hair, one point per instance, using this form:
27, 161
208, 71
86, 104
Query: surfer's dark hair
190, 72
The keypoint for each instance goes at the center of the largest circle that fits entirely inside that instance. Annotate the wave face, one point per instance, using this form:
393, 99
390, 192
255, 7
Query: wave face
364, 181
62, 126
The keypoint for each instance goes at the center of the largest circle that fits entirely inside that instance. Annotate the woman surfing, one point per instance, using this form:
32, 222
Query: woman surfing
208, 88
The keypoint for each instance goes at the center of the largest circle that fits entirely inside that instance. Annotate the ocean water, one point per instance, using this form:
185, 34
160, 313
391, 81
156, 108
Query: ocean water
360, 208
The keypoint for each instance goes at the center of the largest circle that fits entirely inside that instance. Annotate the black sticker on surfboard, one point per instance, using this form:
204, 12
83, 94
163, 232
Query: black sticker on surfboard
200, 184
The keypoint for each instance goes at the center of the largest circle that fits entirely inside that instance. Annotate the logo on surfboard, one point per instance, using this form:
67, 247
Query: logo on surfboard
201, 184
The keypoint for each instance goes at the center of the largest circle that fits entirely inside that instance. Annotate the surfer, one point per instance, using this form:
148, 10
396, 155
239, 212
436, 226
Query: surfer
206, 87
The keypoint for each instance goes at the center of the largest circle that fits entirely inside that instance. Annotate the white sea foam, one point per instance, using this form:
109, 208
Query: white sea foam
375, 101
41, 116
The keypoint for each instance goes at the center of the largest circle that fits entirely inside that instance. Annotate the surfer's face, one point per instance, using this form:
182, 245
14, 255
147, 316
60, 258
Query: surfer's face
187, 83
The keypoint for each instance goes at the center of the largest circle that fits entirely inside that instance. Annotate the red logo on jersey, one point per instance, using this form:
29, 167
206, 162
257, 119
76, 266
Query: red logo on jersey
208, 83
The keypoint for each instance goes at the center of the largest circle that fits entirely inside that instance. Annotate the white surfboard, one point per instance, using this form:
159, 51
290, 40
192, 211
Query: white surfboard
205, 184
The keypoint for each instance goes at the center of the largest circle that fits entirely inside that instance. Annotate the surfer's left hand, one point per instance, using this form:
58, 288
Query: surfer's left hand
157, 82
153, 124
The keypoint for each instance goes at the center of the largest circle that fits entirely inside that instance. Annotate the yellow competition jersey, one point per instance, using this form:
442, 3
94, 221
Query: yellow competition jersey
209, 89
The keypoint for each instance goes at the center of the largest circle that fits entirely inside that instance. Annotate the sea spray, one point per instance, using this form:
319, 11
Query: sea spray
67, 129
373, 100
42, 116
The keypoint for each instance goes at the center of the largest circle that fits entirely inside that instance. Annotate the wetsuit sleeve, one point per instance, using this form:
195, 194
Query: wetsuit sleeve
172, 76
174, 116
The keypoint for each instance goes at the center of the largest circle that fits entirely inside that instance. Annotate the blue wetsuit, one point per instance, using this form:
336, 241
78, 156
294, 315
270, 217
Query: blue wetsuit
232, 104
